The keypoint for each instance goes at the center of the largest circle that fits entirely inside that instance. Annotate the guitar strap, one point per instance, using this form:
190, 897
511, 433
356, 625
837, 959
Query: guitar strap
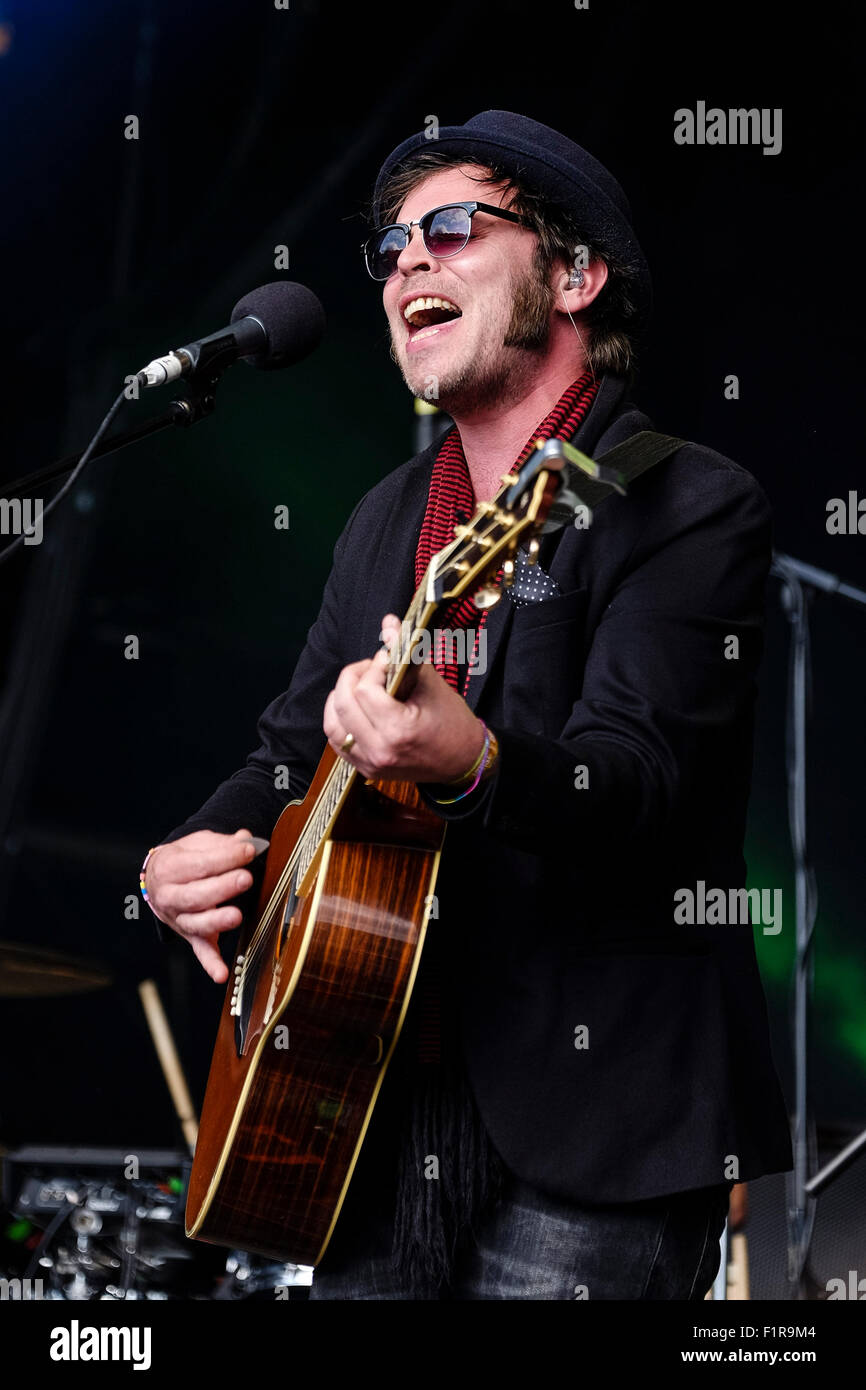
630, 458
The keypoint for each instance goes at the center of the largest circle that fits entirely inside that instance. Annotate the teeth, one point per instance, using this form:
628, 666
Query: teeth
415, 305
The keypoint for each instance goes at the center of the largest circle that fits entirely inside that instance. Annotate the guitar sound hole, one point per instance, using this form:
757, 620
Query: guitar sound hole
286, 922
253, 970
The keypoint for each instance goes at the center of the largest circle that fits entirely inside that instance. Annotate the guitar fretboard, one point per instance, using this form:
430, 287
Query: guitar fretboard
316, 827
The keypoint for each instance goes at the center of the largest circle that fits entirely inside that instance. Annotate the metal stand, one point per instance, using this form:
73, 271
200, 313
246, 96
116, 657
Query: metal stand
799, 581
199, 401
47, 609
720, 1283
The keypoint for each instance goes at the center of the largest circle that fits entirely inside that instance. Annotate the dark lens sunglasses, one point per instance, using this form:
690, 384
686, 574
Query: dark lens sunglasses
444, 230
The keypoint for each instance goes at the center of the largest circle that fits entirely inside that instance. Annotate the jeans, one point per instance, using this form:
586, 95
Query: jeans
537, 1247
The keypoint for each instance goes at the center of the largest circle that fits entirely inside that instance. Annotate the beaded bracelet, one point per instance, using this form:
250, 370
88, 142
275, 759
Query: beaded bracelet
490, 762
470, 771
141, 875
449, 801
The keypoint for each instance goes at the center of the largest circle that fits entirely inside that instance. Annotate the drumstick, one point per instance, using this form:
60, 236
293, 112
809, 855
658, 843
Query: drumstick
738, 1269
160, 1032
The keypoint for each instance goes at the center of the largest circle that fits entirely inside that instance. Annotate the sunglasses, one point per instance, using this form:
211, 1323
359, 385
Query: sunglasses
444, 230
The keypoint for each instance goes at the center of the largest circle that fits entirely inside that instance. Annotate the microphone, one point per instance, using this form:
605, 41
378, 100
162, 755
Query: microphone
271, 327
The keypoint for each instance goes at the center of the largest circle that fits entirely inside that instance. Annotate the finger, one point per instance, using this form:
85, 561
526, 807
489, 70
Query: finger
375, 676
340, 699
203, 893
196, 926
391, 629
329, 719
184, 865
207, 954
381, 710
349, 718
377, 672
335, 720
351, 674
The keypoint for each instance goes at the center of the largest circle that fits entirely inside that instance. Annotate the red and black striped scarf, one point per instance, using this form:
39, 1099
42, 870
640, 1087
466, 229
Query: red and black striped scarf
451, 500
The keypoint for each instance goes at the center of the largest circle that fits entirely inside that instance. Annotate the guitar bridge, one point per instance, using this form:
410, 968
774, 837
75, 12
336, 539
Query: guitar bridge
235, 1008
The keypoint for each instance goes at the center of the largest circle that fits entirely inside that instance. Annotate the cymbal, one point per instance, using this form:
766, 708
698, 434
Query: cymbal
31, 971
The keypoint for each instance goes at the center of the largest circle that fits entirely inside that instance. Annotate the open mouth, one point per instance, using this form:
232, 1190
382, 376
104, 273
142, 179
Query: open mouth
426, 315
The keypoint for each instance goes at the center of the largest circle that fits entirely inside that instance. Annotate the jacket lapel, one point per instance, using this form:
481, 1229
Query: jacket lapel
499, 619
397, 559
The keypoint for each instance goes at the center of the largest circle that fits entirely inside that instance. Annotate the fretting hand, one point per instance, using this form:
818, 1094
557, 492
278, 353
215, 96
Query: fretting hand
431, 736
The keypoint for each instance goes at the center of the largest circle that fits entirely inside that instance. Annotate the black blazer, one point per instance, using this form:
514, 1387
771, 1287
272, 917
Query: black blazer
559, 898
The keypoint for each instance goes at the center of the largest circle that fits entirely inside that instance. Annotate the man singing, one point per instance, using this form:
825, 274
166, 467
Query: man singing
589, 1075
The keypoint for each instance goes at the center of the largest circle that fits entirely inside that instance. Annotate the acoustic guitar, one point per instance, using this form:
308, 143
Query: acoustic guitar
325, 972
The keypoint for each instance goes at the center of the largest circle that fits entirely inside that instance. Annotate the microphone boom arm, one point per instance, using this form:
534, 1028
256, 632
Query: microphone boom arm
197, 402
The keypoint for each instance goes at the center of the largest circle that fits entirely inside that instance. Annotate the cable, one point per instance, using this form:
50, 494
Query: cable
62, 1214
76, 472
586, 356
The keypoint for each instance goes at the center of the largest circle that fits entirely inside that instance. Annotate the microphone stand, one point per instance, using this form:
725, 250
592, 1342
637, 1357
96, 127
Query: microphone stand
799, 582
198, 402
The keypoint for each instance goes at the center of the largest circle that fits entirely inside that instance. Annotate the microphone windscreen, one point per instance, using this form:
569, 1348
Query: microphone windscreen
292, 318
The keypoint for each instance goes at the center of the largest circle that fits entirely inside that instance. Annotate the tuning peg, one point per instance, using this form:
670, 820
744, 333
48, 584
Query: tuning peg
532, 554
486, 596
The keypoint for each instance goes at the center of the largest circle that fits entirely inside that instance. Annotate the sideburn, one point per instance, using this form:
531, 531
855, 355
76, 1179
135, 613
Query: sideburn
529, 326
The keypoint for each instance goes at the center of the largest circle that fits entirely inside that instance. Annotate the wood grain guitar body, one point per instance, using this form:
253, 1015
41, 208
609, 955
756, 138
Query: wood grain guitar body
301, 1055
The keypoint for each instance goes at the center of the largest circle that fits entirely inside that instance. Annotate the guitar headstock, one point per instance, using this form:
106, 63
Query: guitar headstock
489, 541
536, 497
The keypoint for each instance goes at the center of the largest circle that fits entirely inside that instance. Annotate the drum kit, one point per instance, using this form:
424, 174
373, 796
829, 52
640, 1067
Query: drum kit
83, 1224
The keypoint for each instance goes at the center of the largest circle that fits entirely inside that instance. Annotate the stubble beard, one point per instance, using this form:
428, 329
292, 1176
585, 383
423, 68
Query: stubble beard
494, 375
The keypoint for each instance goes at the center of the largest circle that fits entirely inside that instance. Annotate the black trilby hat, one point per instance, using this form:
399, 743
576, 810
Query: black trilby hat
547, 163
